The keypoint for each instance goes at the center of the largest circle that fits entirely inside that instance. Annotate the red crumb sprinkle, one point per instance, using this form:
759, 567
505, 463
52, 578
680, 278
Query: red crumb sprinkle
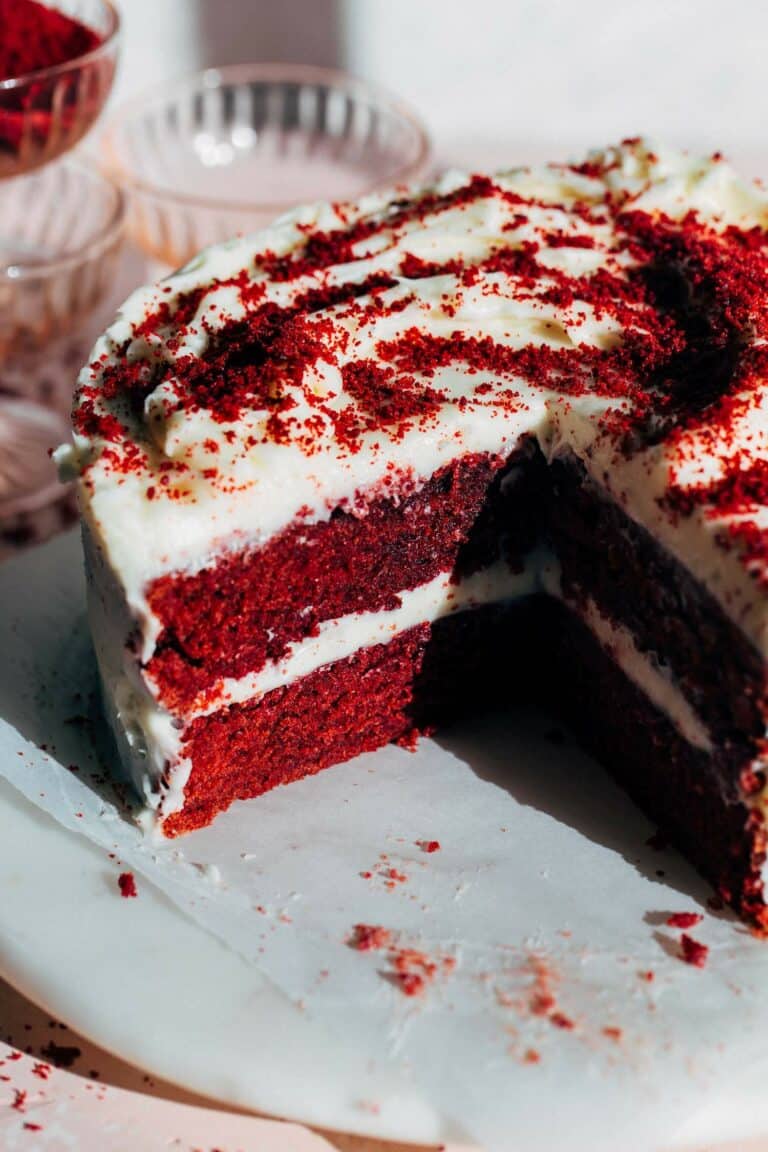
19, 1099
370, 1106
42, 1071
413, 970
649, 976
409, 740
531, 1056
127, 884
369, 937
428, 845
410, 970
390, 876
693, 952
542, 1003
30, 1127
684, 920
411, 983
560, 1020
612, 1033
542, 999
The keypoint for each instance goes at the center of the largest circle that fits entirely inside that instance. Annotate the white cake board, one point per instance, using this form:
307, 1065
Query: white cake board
237, 981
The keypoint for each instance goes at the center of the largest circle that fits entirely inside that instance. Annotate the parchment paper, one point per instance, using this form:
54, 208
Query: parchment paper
556, 1010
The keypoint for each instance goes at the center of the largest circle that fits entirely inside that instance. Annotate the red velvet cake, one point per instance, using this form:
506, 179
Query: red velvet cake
391, 460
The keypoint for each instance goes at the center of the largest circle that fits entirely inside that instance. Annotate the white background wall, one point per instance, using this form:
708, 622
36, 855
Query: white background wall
543, 75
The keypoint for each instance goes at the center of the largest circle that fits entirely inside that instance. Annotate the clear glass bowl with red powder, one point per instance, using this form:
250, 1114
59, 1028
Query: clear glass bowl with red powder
61, 231
228, 150
57, 66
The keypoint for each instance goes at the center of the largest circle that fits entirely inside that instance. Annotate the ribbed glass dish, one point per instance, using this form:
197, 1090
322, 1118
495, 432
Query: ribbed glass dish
45, 113
228, 150
61, 230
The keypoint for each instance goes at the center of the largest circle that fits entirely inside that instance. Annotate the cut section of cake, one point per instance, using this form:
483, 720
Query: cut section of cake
391, 461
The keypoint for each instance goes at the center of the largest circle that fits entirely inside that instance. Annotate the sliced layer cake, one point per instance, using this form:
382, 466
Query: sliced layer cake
387, 461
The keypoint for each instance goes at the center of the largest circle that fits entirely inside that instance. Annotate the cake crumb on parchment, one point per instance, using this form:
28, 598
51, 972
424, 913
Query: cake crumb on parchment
126, 882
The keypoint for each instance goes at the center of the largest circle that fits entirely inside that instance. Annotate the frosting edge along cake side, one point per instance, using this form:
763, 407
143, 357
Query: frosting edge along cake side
338, 435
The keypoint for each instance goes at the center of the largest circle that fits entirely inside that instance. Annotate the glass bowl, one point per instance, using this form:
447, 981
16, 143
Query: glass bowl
61, 230
227, 150
45, 113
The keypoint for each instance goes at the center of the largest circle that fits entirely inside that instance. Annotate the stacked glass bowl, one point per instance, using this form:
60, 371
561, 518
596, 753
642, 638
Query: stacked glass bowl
229, 149
61, 227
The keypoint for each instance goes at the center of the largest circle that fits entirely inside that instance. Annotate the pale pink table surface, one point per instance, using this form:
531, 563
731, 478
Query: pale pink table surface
94, 1102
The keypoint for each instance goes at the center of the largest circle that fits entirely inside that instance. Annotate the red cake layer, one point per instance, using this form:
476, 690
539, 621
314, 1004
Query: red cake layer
233, 617
393, 691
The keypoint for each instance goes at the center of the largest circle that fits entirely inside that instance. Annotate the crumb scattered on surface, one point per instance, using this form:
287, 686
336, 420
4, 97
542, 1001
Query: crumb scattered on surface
410, 969
693, 952
369, 937
384, 871
542, 1000
127, 884
684, 919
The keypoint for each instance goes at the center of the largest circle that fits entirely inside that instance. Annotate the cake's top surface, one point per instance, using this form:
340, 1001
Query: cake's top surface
616, 307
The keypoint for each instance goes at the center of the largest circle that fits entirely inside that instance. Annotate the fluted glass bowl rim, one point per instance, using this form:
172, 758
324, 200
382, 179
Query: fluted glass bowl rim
17, 271
43, 75
233, 74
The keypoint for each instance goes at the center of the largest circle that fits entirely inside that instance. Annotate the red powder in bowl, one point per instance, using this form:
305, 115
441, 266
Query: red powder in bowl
35, 37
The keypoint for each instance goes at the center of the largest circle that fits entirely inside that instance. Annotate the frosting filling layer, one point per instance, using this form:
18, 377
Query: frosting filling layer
340, 638
246, 611
154, 738
646, 673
